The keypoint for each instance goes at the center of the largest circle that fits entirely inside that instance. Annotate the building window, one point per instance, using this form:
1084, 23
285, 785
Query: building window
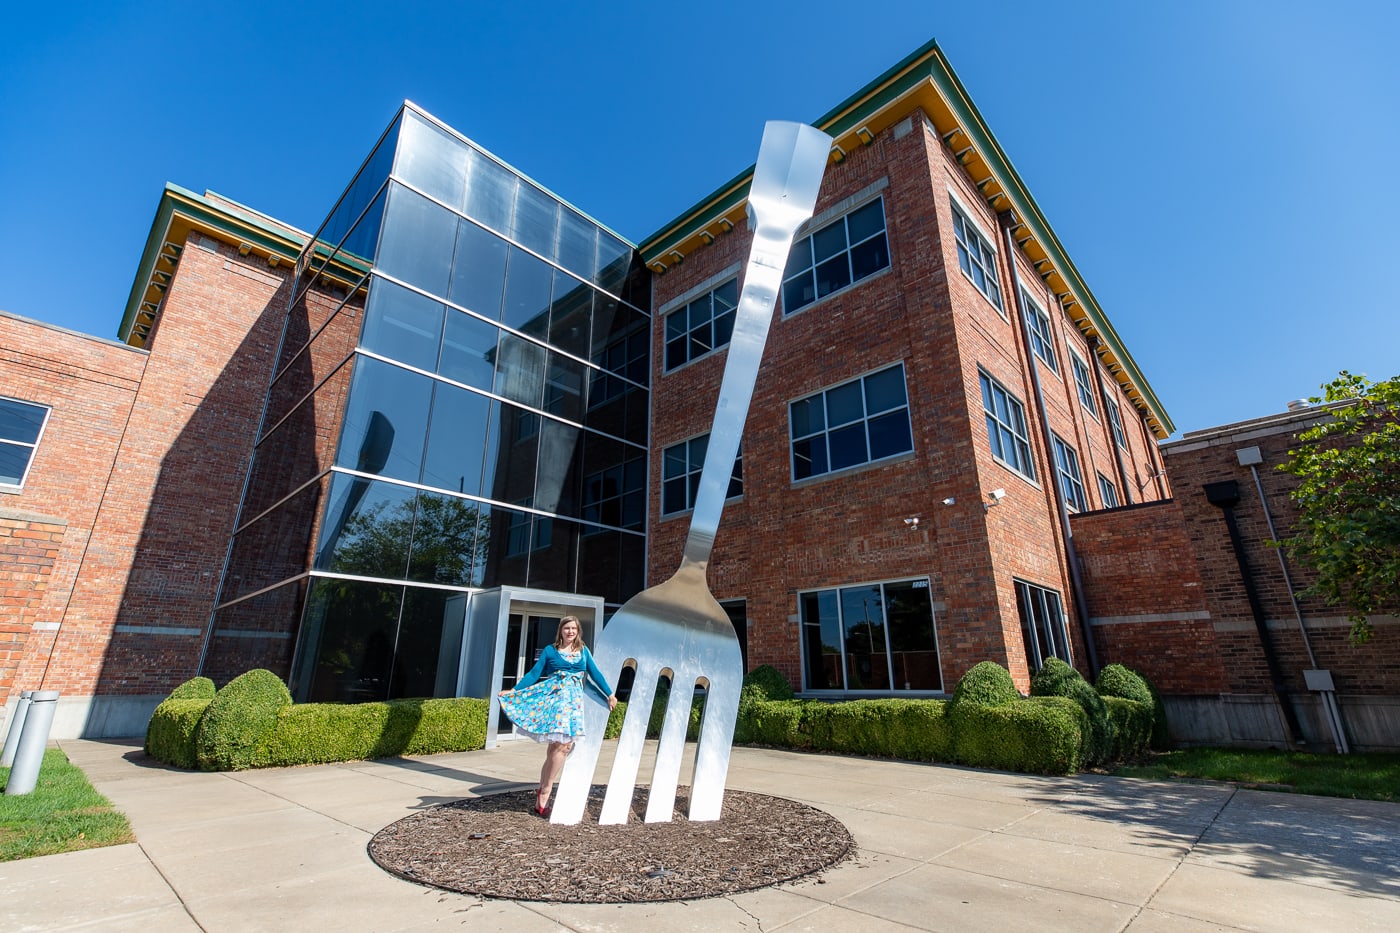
626, 356
1083, 384
876, 637
616, 497
21, 425
1115, 421
1006, 426
1067, 468
528, 532
1039, 324
1042, 624
680, 474
1108, 492
702, 325
841, 253
976, 257
857, 422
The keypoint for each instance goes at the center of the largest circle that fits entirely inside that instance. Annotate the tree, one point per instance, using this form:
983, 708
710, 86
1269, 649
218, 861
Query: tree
1348, 529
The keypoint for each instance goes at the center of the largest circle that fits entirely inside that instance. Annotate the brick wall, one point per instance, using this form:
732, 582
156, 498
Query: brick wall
787, 537
90, 386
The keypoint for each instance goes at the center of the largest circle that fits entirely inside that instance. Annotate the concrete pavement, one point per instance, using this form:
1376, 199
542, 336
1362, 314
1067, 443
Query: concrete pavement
940, 848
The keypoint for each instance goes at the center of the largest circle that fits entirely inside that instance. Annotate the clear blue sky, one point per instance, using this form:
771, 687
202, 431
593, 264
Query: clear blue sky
1224, 174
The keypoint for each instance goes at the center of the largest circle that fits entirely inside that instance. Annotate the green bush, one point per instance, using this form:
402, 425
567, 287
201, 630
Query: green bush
765, 682
1039, 736
1115, 680
170, 734
1057, 678
317, 733
774, 722
196, 688
986, 684
236, 728
914, 730
1132, 726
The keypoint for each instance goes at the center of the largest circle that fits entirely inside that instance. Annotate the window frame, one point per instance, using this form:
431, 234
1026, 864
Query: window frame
709, 297
1057, 637
995, 439
1083, 383
1042, 339
1115, 423
32, 447
691, 476
963, 227
1107, 491
917, 582
866, 418
807, 238
1069, 475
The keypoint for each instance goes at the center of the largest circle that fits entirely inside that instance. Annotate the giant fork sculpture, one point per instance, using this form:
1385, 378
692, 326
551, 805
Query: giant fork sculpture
676, 627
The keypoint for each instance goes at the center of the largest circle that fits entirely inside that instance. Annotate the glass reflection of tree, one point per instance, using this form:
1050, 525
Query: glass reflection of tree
861, 639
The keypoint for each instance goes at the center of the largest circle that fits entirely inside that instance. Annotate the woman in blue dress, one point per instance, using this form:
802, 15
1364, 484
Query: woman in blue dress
547, 704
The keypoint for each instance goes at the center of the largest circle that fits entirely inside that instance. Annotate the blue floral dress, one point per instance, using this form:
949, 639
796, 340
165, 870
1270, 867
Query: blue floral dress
547, 704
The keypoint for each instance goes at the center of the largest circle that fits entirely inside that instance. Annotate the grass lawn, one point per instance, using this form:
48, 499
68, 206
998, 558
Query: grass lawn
61, 814
1366, 776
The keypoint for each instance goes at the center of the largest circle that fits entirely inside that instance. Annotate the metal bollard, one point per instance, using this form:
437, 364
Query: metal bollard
32, 742
16, 729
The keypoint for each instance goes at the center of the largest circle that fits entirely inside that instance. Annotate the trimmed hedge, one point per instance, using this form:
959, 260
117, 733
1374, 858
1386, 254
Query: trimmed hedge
170, 735
196, 688
235, 730
1132, 726
1038, 736
318, 733
986, 684
1057, 678
1116, 680
765, 682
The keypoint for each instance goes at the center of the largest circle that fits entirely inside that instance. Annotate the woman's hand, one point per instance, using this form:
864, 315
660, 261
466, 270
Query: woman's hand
612, 702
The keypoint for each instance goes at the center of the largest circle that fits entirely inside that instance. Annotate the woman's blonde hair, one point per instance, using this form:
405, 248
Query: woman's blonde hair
559, 634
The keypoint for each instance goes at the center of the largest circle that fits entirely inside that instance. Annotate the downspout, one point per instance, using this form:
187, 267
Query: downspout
1053, 480
1225, 496
1112, 441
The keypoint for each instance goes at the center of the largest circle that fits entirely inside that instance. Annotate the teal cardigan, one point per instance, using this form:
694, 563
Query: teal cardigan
551, 662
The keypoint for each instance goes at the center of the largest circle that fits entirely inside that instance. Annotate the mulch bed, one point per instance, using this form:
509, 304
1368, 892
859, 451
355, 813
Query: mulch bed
496, 846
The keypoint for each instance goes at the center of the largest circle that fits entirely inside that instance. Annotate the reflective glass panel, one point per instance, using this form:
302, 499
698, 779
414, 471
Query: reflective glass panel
913, 646
432, 160
368, 527
529, 284
557, 485
570, 315
520, 370
821, 640
478, 270
456, 440
429, 647
417, 242
346, 648
578, 244
402, 325
490, 192
469, 350
447, 533
536, 219
867, 666
385, 420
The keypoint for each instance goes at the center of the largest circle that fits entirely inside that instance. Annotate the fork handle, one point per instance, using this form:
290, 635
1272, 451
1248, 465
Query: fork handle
791, 161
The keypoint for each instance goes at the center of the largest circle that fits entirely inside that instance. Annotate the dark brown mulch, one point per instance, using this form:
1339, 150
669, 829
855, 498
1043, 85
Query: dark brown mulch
497, 846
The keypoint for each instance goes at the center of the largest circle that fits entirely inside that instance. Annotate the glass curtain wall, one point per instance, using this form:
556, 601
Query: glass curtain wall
461, 403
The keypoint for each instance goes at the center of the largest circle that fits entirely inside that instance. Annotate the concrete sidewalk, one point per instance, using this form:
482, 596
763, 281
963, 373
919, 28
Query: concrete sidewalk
940, 848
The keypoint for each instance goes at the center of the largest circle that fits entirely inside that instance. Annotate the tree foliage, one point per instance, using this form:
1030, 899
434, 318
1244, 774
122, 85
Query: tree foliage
1348, 499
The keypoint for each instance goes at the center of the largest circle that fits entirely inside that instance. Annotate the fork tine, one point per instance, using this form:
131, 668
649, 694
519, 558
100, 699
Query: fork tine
577, 778
622, 781
661, 802
716, 738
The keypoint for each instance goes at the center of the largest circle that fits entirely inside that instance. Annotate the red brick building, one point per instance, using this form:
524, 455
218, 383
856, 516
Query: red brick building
949, 454
1209, 615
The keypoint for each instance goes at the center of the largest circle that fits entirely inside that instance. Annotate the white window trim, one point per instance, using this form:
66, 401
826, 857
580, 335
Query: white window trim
738, 459
935, 607
1048, 337
33, 448
1091, 408
1030, 448
845, 471
843, 207
969, 216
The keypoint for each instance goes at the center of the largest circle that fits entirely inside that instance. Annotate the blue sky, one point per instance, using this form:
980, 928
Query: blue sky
1224, 174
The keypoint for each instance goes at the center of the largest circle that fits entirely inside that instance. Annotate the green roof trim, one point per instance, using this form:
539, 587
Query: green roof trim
237, 222
927, 64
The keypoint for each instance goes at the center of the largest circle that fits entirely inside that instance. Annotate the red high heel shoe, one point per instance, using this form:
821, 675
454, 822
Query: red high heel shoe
541, 809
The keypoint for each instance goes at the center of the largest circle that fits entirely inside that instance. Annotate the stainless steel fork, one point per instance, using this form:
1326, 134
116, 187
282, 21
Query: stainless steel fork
676, 628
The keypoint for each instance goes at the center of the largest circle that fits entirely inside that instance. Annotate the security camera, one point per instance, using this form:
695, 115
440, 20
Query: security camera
912, 522
949, 501
997, 494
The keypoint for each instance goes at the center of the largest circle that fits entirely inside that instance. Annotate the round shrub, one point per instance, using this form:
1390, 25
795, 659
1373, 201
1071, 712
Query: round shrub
768, 681
196, 688
987, 684
170, 735
1057, 679
1115, 680
239, 723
